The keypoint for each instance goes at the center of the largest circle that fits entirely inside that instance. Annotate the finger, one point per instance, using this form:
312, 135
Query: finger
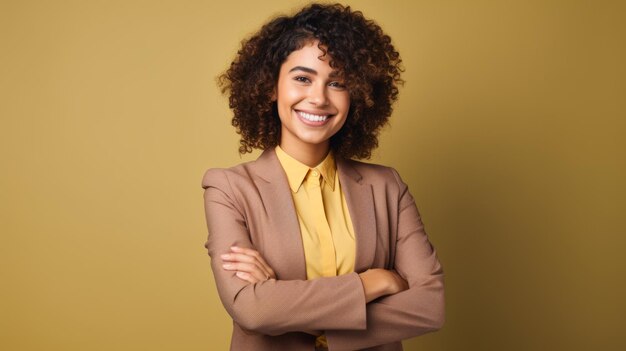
272, 274
239, 257
247, 268
247, 277
250, 256
257, 255
249, 252
243, 258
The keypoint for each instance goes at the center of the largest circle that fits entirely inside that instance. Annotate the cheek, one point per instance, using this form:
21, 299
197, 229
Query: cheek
283, 101
288, 94
344, 104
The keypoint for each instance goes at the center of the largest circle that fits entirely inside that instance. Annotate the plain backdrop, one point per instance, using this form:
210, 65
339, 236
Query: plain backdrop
510, 132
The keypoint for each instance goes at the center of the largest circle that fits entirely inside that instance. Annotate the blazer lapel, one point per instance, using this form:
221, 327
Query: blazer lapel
278, 203
360, 200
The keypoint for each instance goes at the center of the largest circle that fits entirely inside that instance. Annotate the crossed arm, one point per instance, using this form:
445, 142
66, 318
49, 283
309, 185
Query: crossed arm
343, 307
251, 267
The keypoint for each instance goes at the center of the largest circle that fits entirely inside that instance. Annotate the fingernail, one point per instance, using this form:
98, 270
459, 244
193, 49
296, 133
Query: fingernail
241, 274
224, 256
234, 248
227, 265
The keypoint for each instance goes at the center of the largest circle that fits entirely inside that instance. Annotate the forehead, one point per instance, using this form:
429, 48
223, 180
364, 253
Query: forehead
309, 56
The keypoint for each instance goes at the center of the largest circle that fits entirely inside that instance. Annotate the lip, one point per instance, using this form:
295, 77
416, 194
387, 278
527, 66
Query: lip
313, 123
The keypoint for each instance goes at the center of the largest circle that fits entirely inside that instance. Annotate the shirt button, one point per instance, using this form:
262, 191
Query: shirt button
315, 173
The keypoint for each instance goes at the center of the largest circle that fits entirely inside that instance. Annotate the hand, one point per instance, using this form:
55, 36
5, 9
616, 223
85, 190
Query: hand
248, 264
398, 283
379, 282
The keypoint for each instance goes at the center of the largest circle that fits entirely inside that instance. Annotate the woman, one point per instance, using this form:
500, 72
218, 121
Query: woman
309, 248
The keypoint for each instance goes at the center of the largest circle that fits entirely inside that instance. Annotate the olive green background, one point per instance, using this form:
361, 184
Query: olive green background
510, 132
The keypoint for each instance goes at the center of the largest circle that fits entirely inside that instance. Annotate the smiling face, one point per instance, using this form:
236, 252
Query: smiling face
312, 102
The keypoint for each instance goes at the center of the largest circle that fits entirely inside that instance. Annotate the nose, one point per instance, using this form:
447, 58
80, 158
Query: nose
318, 95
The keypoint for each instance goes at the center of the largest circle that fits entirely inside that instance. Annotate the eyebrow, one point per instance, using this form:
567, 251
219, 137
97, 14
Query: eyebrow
312, 71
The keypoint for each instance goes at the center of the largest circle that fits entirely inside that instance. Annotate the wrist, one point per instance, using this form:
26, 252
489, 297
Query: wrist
376, 283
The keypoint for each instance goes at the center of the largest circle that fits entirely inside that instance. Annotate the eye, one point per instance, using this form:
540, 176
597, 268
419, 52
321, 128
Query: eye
302, 79
337, 85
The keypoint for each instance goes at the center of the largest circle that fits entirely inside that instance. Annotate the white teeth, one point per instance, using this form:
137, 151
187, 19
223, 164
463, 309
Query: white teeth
311, 117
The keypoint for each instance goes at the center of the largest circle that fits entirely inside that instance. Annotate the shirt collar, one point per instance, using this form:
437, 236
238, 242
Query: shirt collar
297, 171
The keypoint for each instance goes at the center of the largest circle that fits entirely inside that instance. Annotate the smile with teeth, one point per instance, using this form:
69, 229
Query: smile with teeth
311, 117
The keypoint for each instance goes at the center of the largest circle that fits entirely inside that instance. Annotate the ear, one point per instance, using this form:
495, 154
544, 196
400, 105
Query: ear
274, 95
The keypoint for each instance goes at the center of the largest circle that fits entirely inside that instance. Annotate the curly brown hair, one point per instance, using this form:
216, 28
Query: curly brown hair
359, 50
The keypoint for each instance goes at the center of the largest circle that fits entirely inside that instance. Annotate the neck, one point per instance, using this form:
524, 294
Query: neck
309, 154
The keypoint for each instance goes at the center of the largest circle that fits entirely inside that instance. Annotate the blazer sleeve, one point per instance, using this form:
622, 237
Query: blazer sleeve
273, 307
410, 313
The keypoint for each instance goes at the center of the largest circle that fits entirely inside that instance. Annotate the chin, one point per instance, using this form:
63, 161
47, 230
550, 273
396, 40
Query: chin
314, 140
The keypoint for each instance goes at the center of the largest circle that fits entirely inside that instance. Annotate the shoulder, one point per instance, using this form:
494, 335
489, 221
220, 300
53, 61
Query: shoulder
375, 173
383, 179
245, 176
224, 177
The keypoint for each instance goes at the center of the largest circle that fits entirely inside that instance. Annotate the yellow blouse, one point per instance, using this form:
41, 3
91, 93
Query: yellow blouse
325, 224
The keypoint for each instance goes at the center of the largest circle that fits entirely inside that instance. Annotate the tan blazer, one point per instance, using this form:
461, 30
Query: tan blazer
250, 205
